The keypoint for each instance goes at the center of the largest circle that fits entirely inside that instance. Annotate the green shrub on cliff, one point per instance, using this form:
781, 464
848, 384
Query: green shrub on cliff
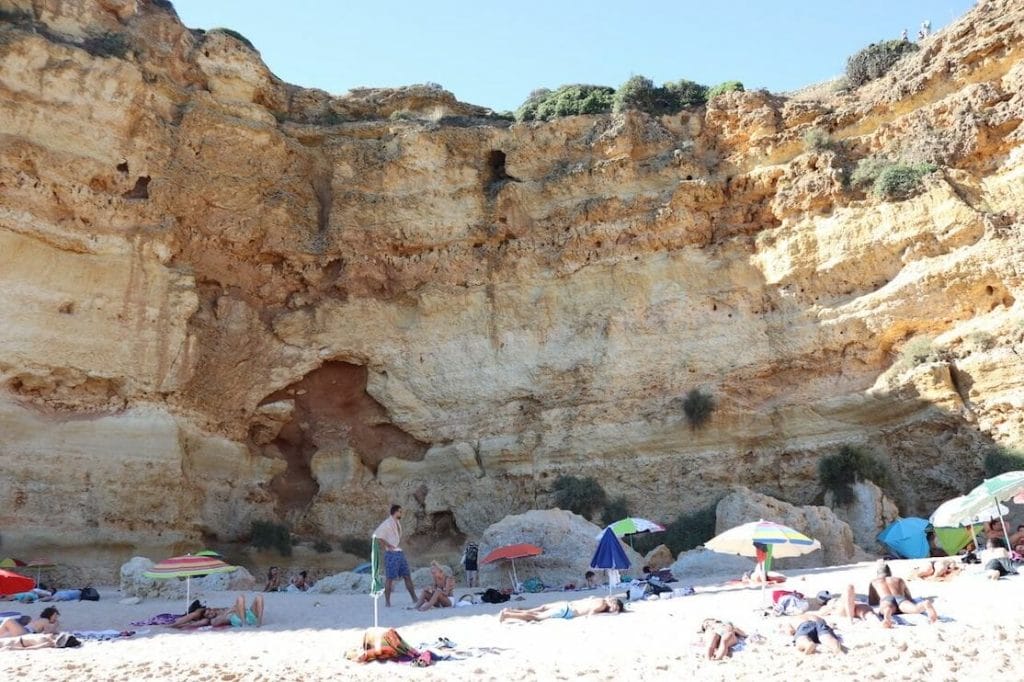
687, 531
236, 35
640, 94
890, 180
722, 88
876, 59
999, 460
583, 496
698, 406
267, 534
837, 473
568, 100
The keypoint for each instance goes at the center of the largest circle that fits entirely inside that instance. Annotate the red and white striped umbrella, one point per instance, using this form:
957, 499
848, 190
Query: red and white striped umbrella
188, 567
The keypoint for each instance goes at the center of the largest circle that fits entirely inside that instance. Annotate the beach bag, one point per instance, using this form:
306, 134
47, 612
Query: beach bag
89, 594
637, 591
533, 585
493, 596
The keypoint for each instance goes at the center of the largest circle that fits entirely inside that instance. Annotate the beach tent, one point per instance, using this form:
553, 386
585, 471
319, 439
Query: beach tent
906, 537
13, 583
609, 555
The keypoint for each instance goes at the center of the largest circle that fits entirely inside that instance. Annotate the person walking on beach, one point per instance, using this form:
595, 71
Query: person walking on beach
389, 535
469, 563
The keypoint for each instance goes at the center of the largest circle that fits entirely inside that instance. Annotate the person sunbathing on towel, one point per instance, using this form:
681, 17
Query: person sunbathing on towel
48, 622
940, 569
565, 609
812, 631
719, 638
840, 606
235, 616
893, 596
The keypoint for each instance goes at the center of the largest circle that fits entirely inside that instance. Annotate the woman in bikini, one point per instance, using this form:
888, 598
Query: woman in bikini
720, 637
235, 616
48, 622
438, 594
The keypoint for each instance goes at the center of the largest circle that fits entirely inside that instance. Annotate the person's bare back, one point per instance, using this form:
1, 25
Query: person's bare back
892, 596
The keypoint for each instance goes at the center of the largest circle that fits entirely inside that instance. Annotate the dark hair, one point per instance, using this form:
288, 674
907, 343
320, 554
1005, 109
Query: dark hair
196, 605
883, 570
49, 611
588, 574
303, 574
618, 603
270, 571
394, 508
646, 569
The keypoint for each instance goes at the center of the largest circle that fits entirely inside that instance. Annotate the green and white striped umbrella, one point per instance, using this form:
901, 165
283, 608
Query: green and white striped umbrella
632, 526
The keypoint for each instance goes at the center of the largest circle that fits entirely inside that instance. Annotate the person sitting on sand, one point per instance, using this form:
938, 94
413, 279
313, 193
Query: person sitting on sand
47, 622
812, 631
1017, 540
564, 609
273, 580
893, 596
235, 616
440, 593
719, 638
996, 560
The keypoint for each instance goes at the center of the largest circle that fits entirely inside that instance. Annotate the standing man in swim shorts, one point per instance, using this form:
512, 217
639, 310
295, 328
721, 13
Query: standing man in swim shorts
389, 535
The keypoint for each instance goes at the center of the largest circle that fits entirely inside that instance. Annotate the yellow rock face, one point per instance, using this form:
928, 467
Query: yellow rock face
226, 298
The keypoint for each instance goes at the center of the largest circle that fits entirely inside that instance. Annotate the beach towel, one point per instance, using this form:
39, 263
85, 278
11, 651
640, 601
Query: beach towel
383, 644
158, 619
104, 635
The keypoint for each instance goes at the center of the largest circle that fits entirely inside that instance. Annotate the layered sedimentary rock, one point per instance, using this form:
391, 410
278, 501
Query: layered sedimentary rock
229, 299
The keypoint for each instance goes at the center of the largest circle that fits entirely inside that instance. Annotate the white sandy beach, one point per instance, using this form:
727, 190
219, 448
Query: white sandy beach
305, 637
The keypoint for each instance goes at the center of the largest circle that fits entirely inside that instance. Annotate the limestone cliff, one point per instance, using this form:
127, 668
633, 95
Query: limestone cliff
228, 298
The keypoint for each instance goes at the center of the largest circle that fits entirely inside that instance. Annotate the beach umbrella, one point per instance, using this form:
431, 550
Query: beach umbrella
187, 567
906, 537
963, 511
628, 527
376, 575
511, 553
763, 538
13, 583
11, 562
993, 490
209, 552
609, 555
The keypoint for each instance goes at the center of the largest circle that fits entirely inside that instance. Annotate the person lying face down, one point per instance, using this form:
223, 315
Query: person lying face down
48, 622
564, 609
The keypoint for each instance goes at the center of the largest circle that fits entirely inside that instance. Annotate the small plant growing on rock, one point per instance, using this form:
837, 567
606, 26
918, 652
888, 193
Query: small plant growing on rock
688, 530
837, 473
107, 45
568, 100
583, 496
817, 140
901, 181
698, 407
918, 352
267, 534
876, 59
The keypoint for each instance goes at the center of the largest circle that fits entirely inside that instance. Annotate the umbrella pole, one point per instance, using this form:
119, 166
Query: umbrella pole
188, 590
376, 598
1001, 523
515, 578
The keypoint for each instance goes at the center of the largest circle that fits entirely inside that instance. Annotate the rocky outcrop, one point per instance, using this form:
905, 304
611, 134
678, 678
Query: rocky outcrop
135, 584
229, 299
568, 541
818, 523
658, 558
867, 514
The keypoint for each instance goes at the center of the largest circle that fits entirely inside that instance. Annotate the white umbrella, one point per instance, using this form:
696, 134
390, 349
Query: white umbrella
994, 490
961, 511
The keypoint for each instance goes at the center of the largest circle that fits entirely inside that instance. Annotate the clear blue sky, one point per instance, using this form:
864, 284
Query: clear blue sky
494, 53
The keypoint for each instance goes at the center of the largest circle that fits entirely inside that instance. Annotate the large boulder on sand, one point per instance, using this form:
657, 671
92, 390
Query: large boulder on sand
568, 541
135, 584
699, 565
819, 523
658, 558
345, 582
868, 513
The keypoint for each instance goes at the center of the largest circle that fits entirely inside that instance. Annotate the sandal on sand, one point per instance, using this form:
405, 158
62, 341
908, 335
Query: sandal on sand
445, 643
